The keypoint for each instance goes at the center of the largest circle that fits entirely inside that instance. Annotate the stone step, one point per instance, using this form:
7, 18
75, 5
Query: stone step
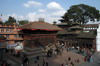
17, 60
33, 52
35, 55
32, 49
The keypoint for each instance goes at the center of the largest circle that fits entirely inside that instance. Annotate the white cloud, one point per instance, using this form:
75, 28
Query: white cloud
32, 3
58, 13
31, 16
54, 6
42, 11
55, 9
52, 12
17, 17
93, 22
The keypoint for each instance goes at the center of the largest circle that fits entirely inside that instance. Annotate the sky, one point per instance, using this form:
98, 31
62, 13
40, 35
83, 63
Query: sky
32, 10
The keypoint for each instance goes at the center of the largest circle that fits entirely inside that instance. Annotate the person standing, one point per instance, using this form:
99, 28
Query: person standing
91, 59
62, 64
85, 58
43, 62
66, 64
38, 65
46, 62
69, 59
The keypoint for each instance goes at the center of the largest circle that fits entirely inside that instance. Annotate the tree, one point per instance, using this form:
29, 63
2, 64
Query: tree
81, 13
10, 21
23, 22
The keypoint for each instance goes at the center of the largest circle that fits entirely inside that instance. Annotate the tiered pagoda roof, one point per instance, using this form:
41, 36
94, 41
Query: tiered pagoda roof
63, 23
40, 26
76, 27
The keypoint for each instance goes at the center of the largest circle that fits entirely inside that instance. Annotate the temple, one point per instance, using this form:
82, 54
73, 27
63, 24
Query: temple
36, 36
39, 34
76, 36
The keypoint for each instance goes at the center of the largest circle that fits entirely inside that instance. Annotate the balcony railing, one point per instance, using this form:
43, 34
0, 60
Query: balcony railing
14, 39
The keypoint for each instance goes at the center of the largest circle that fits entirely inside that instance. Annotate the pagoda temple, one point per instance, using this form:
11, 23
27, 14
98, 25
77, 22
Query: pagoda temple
39, 34
75, 36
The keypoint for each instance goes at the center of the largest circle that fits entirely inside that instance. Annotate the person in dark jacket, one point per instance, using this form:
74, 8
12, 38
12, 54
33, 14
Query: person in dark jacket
25, 60
69, 59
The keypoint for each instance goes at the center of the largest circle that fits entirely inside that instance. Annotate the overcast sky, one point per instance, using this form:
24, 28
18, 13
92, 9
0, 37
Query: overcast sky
50, 10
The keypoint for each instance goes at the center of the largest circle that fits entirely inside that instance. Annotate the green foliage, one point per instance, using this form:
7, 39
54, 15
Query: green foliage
81, 13
10, 21
23, 22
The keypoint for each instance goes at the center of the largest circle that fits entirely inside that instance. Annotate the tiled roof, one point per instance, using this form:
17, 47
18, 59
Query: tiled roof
86, 35
63, 23
68, 32
76, 27
80, 34
41, 26
62, 32
90, 25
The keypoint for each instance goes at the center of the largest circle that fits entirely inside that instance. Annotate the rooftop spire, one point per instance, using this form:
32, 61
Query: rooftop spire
41, 19
0, 18
54, 23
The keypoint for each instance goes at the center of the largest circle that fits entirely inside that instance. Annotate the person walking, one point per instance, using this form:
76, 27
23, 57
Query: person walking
72, 63
77, 60
25, 61
62, 64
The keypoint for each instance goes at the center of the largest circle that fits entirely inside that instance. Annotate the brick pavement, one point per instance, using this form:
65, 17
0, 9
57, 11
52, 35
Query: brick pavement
57, 61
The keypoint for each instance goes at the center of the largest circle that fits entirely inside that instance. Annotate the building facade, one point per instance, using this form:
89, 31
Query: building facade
90, 27
78, 36
11, 33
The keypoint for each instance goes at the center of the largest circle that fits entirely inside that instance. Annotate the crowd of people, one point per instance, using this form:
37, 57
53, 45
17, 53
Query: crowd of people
87, 53
70, 62
58, 50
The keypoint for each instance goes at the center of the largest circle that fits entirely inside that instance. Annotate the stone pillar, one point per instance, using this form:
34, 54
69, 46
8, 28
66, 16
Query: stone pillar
98, 39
